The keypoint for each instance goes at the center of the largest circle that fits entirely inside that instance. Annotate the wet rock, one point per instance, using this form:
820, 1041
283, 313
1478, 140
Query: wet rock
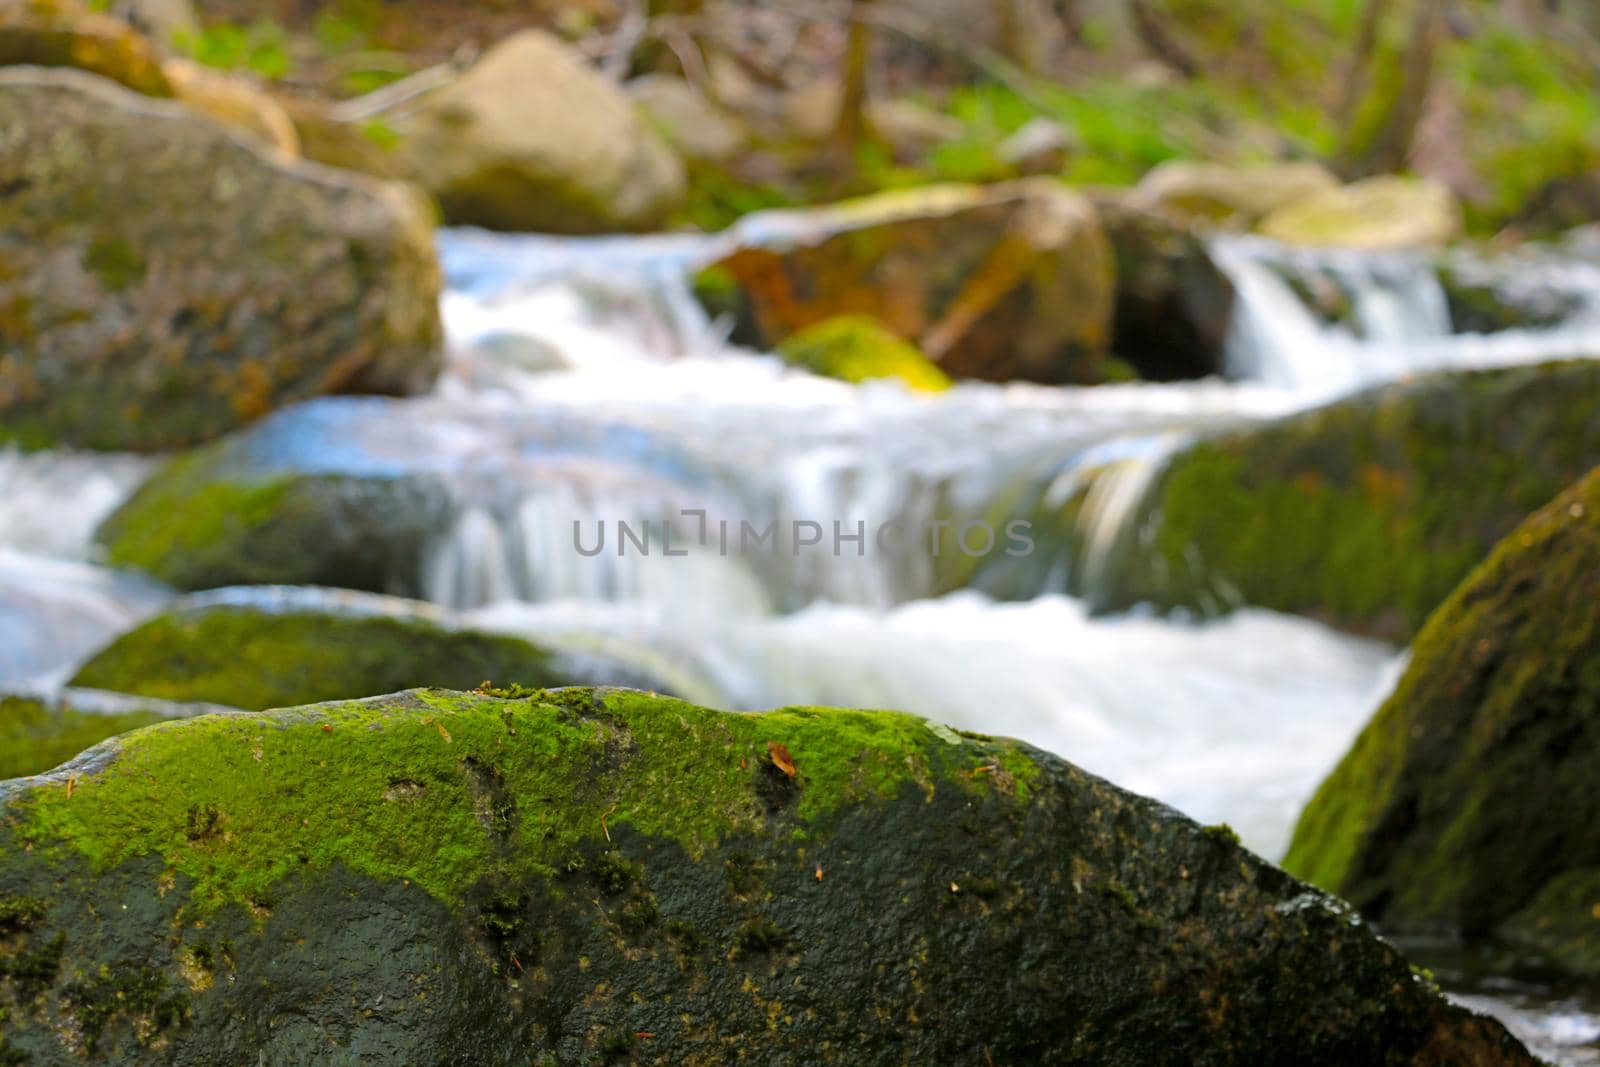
858, 348
66, 33
1174, 305
1521, 292
1214, 194
1468, 803
1366, 513
531, 139
583, 875
1377, 214
165, 282
297, 500
370, 494
277, 647
998, 283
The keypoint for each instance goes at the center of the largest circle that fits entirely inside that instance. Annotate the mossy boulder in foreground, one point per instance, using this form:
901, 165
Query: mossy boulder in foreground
1002, 282
1366, 513
1469, 802
165, 281
274, 648
590, 876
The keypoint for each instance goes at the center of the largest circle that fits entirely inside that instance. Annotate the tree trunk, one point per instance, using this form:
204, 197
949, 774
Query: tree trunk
1393, 145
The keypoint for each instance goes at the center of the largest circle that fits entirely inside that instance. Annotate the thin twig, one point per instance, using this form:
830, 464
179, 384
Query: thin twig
392, 96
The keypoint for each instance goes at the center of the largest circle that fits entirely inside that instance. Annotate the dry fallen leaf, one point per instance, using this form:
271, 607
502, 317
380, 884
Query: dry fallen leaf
72, 784
819, 872
327, 728
781, 759
442, 731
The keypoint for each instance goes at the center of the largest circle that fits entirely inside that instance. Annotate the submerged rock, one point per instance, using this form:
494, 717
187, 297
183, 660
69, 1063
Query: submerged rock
1366, 513
275, 648
1468, 803
165, 282
584, 875
531, 139
999, 283
1377, 214
38, 733
859, 348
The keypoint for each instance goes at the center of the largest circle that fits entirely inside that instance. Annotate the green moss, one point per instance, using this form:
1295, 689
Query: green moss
1469, 797
180, 513
276, 794
253, 659
216, 518
34, 736
857, 348
1369, 512
1563, 922
116, 262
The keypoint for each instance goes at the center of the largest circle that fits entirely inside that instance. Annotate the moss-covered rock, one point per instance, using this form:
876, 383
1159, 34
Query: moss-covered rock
858, 348
1379, 213
531, 139
1468, 802
66, 33
999, 283
162, 282
37, 734
242, 512
276, 648
590, 876
1366, 513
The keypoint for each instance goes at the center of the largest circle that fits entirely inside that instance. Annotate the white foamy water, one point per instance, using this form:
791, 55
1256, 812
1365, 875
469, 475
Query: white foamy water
1397, 319
55, 606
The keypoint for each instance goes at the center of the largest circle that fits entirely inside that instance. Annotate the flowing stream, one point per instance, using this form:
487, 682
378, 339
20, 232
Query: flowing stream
588, 394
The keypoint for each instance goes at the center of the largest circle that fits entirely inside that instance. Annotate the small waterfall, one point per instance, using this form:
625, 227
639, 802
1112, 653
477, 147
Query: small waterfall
1325, 322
